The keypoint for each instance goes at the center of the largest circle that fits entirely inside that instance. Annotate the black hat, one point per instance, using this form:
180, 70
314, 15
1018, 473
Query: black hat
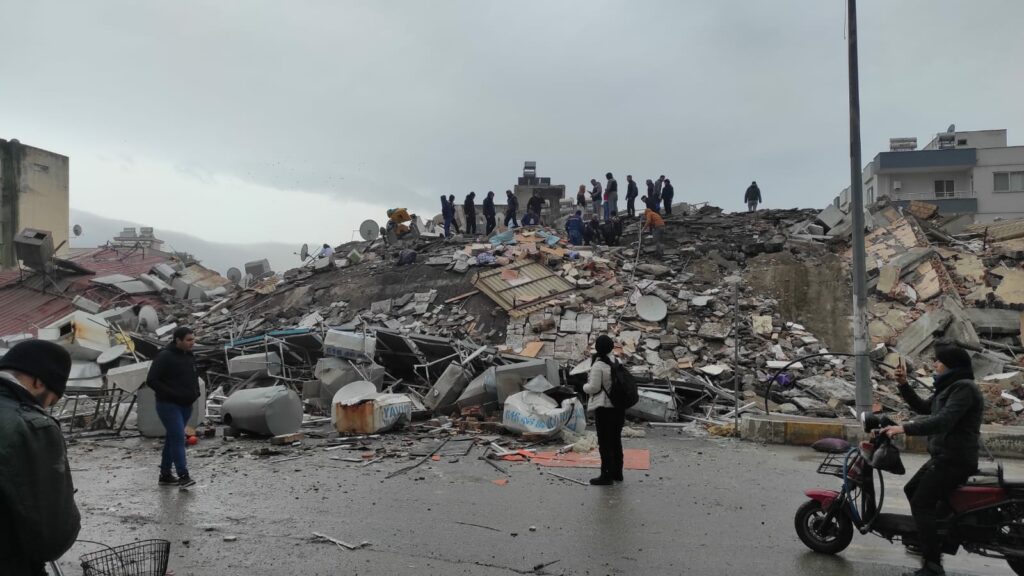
952, 356
604, 344
47, 361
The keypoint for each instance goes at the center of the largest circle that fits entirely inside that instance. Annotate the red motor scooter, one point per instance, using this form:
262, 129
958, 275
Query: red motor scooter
985, 516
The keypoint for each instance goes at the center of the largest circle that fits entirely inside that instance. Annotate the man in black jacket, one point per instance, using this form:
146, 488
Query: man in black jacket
534, 206
952, 423
174, 381
752, 197
631, 194
38, 517
512, 206
489, 213
469, 209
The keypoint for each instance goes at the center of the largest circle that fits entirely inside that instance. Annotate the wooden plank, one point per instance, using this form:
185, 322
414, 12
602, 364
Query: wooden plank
461, 297
532, 349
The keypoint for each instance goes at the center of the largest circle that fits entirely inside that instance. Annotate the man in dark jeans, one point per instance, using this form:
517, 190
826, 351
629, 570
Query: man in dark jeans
952, 423
511, 207
489, 213
174, 381
631, 194
38, 517
469, 209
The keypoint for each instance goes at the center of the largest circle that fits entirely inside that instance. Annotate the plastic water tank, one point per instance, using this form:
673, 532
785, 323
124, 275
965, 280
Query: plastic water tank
270, 411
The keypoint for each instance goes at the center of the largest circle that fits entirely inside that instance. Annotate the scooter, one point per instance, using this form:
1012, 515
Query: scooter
985, 516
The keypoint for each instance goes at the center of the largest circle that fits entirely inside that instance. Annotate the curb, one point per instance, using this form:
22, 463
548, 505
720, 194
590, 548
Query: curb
1002, 441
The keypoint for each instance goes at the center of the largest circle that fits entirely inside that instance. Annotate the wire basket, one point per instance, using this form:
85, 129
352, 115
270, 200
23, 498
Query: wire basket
143, 558
832, 465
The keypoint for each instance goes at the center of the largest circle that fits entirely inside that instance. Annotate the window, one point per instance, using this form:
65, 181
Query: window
1008, 181
961, 142
943, 188
871, 194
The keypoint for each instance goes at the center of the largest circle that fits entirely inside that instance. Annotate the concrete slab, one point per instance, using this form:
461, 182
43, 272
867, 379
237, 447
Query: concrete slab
921, 333
960, 328
1011, 288
829, 388
994, 321
888, 278
830, 217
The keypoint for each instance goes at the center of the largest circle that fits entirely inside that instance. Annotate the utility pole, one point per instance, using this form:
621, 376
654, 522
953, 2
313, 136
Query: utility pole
862, 366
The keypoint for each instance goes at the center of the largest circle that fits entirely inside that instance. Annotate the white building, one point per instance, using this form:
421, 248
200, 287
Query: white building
970, 172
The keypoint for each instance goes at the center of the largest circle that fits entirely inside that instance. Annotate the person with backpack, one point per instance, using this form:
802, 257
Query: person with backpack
608, 418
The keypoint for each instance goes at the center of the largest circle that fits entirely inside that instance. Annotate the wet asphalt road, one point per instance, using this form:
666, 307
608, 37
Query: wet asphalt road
707, 506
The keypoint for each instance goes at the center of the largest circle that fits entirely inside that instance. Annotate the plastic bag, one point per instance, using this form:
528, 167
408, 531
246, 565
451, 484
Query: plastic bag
887, 459
536, 413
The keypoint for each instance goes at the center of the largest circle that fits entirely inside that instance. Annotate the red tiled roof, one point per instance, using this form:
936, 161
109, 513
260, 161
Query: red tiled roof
28, 301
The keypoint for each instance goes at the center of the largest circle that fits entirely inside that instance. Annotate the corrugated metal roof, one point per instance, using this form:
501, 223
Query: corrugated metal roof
521, 287
29, 301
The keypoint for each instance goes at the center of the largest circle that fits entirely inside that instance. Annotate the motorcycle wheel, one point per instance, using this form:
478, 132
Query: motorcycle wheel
830, 539
1017, 565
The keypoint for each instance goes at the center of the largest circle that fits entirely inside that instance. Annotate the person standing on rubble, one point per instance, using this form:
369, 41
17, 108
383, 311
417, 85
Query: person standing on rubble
667, 193
654, 223
38, 517
651, 201
469, 209
752, 197
446, 214
581, 197
574, 228
534, 206
175, 382
611, 191
512, 206
455, 216
631, 194
608, 419
489, 214
592, 233
596, 195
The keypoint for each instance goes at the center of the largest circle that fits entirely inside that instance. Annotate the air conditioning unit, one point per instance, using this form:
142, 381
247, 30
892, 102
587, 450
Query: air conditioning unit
897, 185
34, 248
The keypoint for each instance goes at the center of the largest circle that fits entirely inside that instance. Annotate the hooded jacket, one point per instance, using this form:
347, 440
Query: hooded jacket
38, 517
173, 377
489, 205
753, 194
952, 417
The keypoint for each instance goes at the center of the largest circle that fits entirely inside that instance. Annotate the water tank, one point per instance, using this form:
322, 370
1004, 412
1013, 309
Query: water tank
34, 248
270, 411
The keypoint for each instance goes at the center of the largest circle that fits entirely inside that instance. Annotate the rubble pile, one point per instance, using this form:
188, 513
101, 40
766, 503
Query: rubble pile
493, 335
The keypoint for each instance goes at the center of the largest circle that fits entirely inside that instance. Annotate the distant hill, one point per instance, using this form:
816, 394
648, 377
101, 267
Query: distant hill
97, 230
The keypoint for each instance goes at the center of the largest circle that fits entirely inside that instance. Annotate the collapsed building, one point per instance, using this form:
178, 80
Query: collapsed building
743, 313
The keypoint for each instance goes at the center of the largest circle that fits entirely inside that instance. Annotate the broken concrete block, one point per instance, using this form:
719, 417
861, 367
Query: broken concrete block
831, 388
993, 321
960, 329
906, 295
762, 325
888, 278
653, 407
919, 335
714, 331
656, 270
701, 301
830, 217
449, 387
286, 439
810, 404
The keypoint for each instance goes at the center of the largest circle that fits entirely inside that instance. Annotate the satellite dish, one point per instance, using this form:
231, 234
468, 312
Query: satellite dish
951, 129
148, 319
651, 308
304, 253
77, 230
369, 230
235, 275
112, 354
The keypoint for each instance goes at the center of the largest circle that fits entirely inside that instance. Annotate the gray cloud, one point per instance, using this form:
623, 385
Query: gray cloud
395, 102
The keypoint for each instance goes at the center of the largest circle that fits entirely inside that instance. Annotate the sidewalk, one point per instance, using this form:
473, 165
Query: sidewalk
1002, 441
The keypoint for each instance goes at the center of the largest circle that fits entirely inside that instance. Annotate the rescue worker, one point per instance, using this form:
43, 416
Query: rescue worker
611, 193
631, 194
534, 206
489, 214
752, 197
511, 208
469, 209
574, 228
38, 517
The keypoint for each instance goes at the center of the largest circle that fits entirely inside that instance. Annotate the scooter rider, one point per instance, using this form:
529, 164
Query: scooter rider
951, 419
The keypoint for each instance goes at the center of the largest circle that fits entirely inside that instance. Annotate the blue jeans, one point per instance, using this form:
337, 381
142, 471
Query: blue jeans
173, 418
447, 227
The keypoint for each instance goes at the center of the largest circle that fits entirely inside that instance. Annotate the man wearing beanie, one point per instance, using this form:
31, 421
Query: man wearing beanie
174, 381
951, 419
607, 418
38, 517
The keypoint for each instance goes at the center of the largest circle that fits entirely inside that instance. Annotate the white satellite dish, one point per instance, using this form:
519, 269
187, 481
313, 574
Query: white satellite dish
77, 230
149, 321
369, 230
651, 308
235, 275
304, 253
112, 354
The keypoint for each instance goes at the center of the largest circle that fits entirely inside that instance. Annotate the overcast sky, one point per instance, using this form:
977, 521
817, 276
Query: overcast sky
294, 121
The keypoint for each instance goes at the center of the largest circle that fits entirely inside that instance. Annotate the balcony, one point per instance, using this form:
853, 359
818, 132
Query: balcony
961, 202
932, 196
926, 160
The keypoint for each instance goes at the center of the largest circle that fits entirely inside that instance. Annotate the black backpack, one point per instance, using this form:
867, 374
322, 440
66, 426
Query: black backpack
624, 393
